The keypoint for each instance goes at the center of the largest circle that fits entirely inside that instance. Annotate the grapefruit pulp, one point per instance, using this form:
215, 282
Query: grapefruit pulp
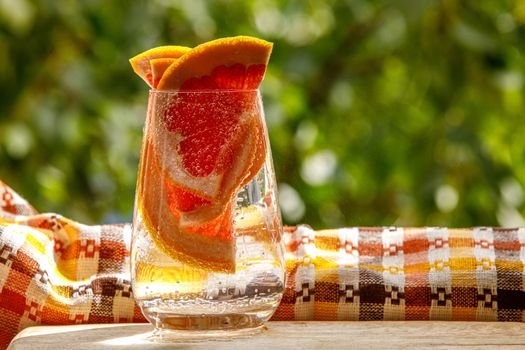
204, 140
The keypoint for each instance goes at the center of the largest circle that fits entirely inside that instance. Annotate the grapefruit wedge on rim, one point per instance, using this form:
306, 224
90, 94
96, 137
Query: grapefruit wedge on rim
232, 63
158, 66
141, 63
204, 140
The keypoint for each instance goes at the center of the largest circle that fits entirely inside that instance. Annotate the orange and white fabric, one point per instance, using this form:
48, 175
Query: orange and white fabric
56, 271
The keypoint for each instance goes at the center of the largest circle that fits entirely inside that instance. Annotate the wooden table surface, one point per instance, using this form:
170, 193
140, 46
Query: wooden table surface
290, 335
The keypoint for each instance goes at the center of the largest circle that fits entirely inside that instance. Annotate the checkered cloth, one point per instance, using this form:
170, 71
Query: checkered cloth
428, 273
56, 271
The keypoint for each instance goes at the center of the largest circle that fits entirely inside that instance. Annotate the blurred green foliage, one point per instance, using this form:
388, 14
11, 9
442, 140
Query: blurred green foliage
379, 112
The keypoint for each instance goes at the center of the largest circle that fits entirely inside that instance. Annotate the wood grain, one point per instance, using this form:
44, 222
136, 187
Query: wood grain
290, 335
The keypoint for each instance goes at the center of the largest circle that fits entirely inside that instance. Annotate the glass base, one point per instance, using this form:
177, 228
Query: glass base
194, 328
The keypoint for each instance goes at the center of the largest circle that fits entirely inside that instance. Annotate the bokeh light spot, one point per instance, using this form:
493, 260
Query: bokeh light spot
318, 168
511, 192
292, 205
446, 198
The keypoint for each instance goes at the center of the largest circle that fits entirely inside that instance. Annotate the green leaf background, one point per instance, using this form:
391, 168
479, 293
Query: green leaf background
379, 112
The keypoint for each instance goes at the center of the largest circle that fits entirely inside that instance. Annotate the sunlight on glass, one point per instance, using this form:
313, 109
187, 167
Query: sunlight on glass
446, 198
318, 168
292, 206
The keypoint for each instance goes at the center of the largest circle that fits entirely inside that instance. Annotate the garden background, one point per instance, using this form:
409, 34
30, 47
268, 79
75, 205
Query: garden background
379, 112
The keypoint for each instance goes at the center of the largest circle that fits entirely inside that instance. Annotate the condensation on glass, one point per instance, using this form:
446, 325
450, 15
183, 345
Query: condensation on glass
180, 298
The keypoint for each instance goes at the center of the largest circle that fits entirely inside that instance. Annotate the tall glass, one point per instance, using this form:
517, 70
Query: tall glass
206, 251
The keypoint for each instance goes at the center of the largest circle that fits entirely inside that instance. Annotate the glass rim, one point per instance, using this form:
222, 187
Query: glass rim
203, 91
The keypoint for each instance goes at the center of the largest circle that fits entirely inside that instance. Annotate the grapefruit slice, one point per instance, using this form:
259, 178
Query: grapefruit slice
216, 59
200, 231
204, 146
203, 143
186, 224
187, 246
158, 67
238, 155
141, 63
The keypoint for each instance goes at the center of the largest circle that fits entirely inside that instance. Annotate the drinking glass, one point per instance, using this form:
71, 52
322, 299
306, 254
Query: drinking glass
181, 294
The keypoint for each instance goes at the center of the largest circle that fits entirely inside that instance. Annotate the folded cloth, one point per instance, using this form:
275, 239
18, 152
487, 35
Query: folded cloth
56, 271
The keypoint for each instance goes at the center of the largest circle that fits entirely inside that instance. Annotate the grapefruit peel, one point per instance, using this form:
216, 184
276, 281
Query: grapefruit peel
141, 62
158, 66
227, 52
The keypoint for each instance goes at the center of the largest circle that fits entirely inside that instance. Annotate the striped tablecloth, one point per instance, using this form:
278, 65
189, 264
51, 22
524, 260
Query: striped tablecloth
56, 271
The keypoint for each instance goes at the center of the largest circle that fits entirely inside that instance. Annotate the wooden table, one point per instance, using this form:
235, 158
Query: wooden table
290, 335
